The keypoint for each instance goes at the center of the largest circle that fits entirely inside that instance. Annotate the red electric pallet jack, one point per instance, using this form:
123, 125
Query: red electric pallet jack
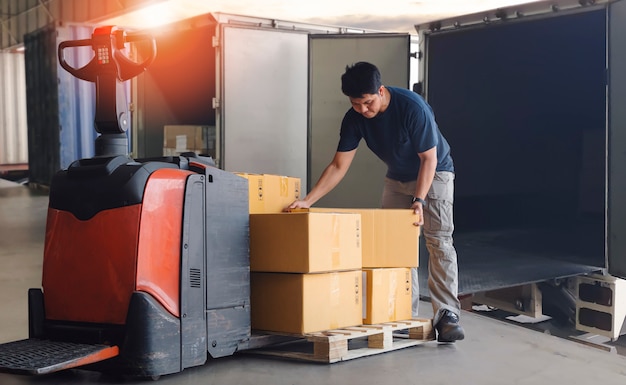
146, 262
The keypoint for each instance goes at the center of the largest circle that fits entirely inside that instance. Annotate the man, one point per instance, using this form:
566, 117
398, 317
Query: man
399, 127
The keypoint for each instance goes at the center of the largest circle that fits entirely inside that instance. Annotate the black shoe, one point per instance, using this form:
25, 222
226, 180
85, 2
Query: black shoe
448, 328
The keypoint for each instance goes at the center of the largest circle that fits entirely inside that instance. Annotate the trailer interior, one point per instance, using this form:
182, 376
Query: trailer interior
523, 104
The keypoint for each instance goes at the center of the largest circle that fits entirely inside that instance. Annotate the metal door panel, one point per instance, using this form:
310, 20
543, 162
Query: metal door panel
329, 55
616, 185
264, 101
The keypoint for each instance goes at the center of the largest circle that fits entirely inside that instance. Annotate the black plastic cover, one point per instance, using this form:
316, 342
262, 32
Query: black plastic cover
89, 186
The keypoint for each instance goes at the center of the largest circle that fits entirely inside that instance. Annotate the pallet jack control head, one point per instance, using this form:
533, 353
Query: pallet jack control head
108, 69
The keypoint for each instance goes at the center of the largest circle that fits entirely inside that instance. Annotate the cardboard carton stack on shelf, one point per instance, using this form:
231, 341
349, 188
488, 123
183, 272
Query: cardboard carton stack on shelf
178, 139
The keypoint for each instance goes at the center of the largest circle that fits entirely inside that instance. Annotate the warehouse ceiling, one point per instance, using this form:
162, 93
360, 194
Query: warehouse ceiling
18, 17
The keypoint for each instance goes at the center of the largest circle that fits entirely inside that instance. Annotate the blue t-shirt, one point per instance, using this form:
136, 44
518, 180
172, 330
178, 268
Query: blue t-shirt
396, 136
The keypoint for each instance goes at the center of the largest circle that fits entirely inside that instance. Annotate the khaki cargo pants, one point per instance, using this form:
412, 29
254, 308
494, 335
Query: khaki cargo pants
437, 231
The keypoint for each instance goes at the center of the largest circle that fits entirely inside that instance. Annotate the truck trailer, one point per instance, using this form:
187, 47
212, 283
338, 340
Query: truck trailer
531, 98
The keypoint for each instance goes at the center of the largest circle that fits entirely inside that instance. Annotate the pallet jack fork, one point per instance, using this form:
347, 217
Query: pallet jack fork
146, 262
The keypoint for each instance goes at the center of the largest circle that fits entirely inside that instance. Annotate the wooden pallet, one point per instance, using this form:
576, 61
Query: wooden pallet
344, 344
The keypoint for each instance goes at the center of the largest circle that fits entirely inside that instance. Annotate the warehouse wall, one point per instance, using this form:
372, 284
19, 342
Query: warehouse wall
60, 106
13, 130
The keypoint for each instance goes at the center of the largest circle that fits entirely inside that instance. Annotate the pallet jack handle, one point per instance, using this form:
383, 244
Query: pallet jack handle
108, 69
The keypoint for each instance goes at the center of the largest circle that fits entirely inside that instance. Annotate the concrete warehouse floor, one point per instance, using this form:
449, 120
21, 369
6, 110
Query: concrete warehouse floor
494, 352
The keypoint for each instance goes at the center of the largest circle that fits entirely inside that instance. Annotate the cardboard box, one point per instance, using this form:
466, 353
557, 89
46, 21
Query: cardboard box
390, 239
386, 295
305, 242
305, 303
182, 138
256, 191
271, 193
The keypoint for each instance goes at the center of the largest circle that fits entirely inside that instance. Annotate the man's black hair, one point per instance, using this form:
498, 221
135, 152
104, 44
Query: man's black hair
360, 79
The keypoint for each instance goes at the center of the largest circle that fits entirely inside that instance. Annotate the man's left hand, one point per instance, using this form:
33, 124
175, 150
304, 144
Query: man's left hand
419, 212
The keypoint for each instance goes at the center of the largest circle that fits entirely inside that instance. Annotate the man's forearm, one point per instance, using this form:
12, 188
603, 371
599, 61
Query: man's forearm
329, 180
425, 178
332, 175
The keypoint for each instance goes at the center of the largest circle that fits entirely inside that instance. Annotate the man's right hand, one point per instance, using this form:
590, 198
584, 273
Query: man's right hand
298, 204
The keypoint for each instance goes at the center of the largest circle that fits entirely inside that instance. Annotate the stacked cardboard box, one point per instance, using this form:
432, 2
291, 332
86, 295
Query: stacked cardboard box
271, 193
386, 295
324, 268
305, 303
390, 238
390, 243
306, 271
305, 242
